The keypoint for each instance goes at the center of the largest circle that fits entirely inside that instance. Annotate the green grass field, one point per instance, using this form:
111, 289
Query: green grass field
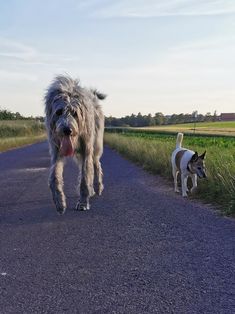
20, 132
152, 150
219, 128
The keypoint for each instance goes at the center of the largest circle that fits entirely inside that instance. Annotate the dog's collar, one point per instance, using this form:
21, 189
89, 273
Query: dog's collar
189, 168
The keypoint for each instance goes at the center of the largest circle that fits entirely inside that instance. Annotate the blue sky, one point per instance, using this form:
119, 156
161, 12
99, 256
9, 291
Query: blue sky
149, 56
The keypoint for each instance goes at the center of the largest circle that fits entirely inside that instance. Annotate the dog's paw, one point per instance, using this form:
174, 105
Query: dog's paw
193, 190
82, 206
60, 210
177, 190
60, 207
99, 189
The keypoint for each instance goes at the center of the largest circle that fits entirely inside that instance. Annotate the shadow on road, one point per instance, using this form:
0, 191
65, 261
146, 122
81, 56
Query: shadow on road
40, 212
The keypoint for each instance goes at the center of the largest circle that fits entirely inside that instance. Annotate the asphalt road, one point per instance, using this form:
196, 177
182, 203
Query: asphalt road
140, 249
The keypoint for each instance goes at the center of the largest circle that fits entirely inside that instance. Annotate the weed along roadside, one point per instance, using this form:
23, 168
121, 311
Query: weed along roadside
17, 133
152, 151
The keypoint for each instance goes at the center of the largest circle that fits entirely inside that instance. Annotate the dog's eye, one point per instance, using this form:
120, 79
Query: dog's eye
59, 112
74, 114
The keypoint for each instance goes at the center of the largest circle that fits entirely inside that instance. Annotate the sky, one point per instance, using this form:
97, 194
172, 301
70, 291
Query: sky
148, 56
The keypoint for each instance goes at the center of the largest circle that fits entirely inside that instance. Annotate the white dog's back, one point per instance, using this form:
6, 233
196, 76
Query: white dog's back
184, 154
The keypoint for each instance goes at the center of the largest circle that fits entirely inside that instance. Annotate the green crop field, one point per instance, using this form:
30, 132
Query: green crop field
15, 133
152, 150
219, 128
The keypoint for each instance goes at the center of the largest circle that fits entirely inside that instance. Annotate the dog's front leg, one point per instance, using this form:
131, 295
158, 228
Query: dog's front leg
184, 180
87, 179
194, 181
56, 185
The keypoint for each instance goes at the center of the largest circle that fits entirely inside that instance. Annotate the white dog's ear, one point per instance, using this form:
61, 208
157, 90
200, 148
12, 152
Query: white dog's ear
194, 157
203, 155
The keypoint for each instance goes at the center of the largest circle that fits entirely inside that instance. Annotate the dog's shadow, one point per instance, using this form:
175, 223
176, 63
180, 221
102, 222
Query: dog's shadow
44, 212
42, 209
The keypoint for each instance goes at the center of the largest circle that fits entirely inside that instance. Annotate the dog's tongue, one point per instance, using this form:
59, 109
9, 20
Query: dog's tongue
66, 147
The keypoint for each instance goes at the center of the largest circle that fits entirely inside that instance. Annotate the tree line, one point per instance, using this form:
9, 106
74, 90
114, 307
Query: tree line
133, 120
158, 118
9, 115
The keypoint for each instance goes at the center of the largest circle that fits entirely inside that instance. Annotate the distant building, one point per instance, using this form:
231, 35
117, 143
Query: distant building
227, 117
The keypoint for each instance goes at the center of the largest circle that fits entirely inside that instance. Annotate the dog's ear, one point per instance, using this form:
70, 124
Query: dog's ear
49, 98
194, 157
203, 155
98, 94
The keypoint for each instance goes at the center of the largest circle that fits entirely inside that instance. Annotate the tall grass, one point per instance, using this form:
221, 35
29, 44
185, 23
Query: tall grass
153, 153
20, 128
22, 132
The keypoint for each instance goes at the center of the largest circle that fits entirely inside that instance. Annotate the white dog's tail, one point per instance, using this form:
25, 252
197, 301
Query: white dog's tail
179, 140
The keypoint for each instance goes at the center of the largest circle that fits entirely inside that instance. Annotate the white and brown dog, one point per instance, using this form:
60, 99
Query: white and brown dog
189, 164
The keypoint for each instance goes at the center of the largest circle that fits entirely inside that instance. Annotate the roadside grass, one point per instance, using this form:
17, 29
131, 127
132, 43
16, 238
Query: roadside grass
153, 151
14, 142
19, 133
12, 128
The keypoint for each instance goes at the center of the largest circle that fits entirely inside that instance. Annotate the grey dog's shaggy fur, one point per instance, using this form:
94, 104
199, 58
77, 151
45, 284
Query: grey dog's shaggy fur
75, 127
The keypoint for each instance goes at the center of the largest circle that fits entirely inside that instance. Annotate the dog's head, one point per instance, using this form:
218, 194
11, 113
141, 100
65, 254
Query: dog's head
64, 116
65, 122
197, 165
66, 110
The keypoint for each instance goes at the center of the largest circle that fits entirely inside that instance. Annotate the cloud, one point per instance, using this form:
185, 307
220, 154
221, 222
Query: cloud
11, 75
85, 4
14, 49
20, 62
156, 8
197, 75
10, 49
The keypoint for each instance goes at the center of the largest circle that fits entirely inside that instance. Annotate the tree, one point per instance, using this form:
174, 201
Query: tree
208, 117
159, 118
215, 117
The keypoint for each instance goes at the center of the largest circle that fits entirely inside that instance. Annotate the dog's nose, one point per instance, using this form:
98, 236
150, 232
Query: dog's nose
67, 131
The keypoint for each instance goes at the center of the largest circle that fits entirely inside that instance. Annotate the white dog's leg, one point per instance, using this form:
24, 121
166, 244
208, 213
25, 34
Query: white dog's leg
175, 175
184, 179
194, 181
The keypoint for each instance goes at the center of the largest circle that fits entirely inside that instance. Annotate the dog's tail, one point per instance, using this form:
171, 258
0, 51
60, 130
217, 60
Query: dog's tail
179, 140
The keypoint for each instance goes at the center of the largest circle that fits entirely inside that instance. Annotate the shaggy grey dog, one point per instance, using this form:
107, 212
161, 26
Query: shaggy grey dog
75, 127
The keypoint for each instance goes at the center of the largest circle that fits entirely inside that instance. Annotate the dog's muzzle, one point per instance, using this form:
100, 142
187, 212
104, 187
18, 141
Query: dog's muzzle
67, 131
202, 175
